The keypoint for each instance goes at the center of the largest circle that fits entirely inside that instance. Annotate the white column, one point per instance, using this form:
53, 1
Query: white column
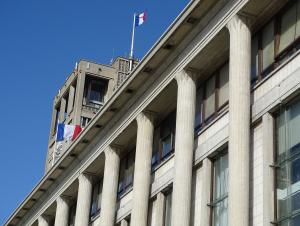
79, 96
160, 209
268, 176
184, 148
62, 211
83, 200
205, 193
239, 121
43, 221
142, 169
110, 186
124, 223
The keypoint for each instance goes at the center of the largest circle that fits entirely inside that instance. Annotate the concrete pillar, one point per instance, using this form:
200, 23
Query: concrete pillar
83, 200
205, 192
71, 99
160, 208
62, 211
142, 169
124, 222
184, 148
79, 97
268, 176
43, 221
62, 109
239, 121
110, 186
53, 121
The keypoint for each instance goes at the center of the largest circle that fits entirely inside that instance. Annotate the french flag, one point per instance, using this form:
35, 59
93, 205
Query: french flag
67, 132
140, 19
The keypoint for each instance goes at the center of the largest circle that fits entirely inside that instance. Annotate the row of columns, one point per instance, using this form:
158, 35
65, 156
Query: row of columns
239, 145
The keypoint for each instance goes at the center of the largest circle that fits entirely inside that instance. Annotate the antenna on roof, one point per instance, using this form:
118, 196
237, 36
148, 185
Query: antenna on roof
76, 65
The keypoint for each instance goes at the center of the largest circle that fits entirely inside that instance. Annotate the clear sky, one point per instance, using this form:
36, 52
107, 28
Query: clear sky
40, 41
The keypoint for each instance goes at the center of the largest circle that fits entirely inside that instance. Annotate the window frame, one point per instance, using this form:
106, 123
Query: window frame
213, 202
204, 121
96, 185
279, 56
129, 156
279, 163
168, 121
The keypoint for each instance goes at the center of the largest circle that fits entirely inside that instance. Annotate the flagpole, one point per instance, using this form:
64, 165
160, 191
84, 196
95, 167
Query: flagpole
132, 44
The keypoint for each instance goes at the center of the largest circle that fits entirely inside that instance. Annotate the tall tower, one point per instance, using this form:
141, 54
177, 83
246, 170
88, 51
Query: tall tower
82, 95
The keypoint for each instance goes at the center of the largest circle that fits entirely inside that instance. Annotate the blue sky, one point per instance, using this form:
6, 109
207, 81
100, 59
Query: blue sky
40, 41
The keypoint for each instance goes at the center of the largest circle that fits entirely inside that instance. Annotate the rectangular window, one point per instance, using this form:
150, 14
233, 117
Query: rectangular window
96, 199
210, 94
276, 41
84, 121
72, 214
164, 139
168, 209
126, 173
213, 96
288, 165
95, 91
219, 202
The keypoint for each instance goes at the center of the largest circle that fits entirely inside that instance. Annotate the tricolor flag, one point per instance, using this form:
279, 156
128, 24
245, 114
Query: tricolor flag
67, 132
140, 19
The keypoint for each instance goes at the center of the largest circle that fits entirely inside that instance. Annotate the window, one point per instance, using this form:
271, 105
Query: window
56, 118
168, 209
95, 90
96, 199
126, 173
84, 121
72, 214
287, 159
276, 41
212, 96
219, 202
164, 139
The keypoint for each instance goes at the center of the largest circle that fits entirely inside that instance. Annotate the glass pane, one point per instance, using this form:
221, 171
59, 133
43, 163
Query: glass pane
221, 177
220, 215
268, 45
288, 28
198, 114
293, 125
210, 97
168, 209
254, 58
282, 191
296, 221
166, 145
224, 85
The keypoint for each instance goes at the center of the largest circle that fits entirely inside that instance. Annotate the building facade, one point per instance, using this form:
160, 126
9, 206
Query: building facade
203, 132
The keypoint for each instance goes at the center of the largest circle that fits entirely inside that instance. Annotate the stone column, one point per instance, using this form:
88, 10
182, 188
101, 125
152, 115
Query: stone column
110, 186
43, 221
142, 169
79, 96
239, 121
205, 192
268, 176
83, 200
124, 222
184, 148
71, 99
62, 109
62, 211
160, 209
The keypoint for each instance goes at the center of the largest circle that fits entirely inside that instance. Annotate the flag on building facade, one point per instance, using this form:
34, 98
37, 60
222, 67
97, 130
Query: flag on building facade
140, 19
64, 135
67, 132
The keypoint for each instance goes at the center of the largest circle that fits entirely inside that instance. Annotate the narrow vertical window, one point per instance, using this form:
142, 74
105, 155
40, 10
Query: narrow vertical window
210, 94
168, 209
288, 165
223, 85
96, 199
219, 202
268, 45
